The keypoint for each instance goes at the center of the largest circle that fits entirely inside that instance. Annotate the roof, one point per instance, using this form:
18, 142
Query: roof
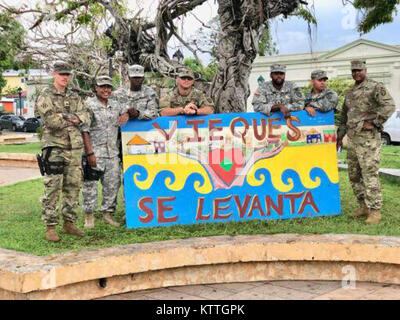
137, 141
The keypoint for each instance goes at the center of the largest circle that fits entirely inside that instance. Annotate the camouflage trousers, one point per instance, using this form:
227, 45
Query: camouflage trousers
111, 182
67, 185
364, 157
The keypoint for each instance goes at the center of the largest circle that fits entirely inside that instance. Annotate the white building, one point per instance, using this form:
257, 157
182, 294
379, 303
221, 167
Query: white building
383, 63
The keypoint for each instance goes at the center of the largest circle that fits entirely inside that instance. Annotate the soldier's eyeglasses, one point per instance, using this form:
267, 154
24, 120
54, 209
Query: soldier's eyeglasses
186, 78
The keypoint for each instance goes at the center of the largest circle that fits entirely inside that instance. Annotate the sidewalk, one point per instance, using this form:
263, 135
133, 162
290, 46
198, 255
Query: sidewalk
269, 290
11, 175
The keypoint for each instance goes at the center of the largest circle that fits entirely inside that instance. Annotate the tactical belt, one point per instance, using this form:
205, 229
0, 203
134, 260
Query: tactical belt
49, 167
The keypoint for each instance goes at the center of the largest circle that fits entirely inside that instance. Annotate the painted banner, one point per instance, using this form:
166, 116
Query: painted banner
229, 167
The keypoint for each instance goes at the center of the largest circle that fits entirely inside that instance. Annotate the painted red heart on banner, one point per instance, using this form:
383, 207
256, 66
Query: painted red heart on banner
226, 163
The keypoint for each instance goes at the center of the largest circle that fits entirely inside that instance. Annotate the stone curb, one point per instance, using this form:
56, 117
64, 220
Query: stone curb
388, 173
21, 160
377, 259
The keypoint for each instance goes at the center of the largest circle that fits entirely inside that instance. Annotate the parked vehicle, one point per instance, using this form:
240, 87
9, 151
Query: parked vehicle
31, 125
11, 122
391, 129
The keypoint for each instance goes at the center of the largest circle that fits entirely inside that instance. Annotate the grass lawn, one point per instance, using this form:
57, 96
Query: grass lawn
21, 148
21, 228
390, 157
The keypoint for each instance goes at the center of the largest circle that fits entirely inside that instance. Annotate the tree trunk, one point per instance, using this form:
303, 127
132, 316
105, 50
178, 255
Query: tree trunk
240, 24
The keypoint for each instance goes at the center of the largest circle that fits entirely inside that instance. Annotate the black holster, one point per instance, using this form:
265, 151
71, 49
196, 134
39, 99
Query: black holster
89, 173
47, 167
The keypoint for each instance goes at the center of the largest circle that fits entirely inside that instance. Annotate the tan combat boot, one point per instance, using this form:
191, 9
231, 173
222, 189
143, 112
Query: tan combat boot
362, 211
374, 216
70, 228
51, 234
109, 220
89, 220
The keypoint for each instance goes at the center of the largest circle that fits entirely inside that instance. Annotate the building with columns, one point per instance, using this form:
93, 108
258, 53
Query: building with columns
383, 63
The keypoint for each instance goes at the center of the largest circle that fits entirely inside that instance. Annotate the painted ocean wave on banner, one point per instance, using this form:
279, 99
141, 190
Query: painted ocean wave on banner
231, 167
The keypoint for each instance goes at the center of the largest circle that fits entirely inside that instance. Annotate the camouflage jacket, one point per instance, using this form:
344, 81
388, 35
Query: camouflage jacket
103, 130
173, 99
145, 101
324, 101
58, 132
266, 96
367, 101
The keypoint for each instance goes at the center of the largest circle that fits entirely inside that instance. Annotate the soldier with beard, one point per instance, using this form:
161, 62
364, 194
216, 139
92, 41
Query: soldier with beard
278, 94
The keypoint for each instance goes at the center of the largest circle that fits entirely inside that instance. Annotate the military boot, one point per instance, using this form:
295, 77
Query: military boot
70, 228
51, 234
374, 216
362, 211
109, 220
89, 220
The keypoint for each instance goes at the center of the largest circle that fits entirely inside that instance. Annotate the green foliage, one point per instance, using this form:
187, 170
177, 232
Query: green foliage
206, 73
376, 12
12, 40
265, 45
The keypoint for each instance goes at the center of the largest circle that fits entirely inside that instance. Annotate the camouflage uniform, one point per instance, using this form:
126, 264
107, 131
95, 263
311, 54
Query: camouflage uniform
145, 101
367, 101
103, 133
323, 101
68, 147
173, 99
266, 96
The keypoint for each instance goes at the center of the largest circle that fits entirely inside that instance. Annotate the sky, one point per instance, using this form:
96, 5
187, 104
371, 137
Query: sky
336, 26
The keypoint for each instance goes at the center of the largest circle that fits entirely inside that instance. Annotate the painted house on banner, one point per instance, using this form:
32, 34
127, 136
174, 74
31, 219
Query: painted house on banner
138, 145
383, 63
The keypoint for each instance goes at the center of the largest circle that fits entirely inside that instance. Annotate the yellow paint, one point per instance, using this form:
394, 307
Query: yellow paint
182, 168
302, 160
14, 82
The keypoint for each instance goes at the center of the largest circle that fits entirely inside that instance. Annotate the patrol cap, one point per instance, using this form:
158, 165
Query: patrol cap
136, 71
278, 68
319, 74
358, 65
104, 81
62, 68
186, 73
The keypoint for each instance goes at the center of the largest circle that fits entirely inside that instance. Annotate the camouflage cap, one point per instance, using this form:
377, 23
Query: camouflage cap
186, 73
136, 71
319, 74
62, 68
278, 68
104, 81
358, 65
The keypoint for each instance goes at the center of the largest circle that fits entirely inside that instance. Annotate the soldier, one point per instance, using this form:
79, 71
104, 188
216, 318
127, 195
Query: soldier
278, 95
102, 150
140, 100
63, 114
320, 97
366, 107
185, 99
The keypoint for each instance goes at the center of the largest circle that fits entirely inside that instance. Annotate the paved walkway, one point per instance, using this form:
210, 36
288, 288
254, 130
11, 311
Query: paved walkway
271, 290
10, 175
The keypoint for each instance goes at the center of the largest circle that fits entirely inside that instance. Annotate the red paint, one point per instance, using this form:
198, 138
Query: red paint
242, 209
195, 124
199, 214
293, 197
278, 208
161, 208
212, 129
308, 200
235, 155
256, 205
271, 127
149, 213
217, 208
